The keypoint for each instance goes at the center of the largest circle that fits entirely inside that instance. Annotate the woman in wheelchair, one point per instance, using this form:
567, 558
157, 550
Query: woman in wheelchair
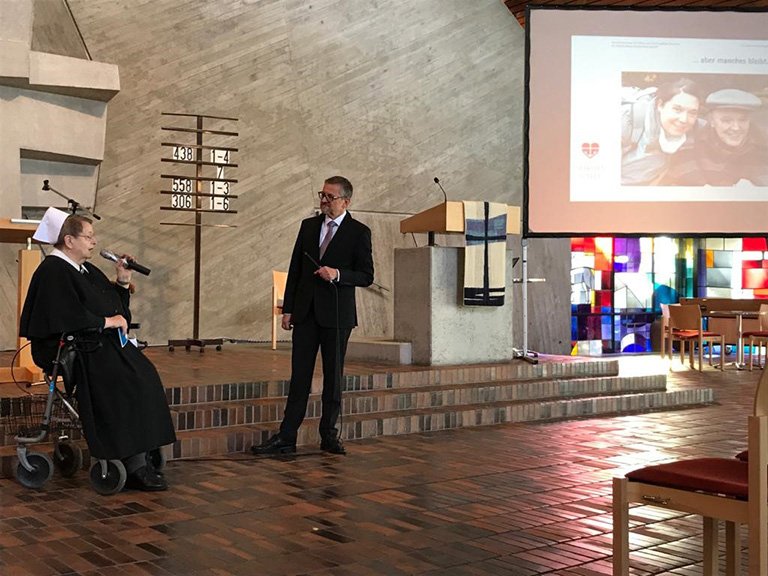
122, 403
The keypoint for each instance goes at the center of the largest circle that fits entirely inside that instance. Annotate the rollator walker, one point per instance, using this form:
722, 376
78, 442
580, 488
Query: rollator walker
54, 415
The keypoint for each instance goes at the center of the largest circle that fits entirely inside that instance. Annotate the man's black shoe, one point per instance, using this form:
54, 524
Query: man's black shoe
332, 445
145, 479
275, 445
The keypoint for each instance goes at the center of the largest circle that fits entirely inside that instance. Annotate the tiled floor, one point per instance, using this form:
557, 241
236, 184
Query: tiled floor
508, 500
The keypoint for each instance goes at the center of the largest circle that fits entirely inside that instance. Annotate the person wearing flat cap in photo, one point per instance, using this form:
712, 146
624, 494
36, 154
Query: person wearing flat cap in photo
729, 149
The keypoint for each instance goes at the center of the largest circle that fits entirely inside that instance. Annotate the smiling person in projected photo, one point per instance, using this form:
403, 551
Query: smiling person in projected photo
656, 124
729, 150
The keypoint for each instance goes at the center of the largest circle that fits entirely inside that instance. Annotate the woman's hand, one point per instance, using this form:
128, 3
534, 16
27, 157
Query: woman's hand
116, 322
123, 273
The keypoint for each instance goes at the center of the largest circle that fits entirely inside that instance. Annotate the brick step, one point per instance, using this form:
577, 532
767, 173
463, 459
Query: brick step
393, 380
270, 409
238, 438
254, 411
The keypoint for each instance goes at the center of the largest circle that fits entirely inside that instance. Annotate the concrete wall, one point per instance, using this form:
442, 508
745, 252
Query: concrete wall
389, 93
53, 108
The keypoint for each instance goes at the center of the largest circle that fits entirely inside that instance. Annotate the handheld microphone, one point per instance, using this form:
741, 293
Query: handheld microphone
312, 259
131, 265
437, 181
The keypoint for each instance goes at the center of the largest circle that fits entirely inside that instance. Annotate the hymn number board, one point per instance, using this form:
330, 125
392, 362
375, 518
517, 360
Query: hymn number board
208, 190
220, 189
182, 187
220, 186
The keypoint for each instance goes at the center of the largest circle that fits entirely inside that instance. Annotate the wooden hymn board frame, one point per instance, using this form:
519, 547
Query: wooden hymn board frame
187, 195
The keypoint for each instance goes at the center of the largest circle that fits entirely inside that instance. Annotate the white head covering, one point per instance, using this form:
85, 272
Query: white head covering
50, 226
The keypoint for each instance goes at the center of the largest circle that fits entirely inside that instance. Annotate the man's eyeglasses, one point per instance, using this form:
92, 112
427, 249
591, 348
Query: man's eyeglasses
90, 238
328, 197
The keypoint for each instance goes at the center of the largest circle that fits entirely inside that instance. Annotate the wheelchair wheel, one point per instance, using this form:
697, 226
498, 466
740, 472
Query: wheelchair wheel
42, 472
114, 480
156, 459
68, 458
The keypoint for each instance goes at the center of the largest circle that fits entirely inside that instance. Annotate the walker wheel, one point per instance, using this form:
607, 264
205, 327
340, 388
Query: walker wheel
40, 474
218, 348
113, 481
171, 348
68, 458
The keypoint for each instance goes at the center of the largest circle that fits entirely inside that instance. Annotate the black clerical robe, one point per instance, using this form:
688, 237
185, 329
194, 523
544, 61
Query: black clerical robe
121, 399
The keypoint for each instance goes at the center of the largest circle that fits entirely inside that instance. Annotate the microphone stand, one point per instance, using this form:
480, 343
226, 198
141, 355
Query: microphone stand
337, 388
431, 235
524, 353
72, 204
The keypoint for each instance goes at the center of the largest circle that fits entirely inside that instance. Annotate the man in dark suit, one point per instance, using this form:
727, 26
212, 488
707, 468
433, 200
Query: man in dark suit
332, 256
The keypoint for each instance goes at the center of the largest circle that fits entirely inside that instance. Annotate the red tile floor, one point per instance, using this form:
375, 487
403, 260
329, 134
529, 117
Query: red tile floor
517, 499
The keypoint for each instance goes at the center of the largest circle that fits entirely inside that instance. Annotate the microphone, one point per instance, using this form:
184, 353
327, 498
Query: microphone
130, 264
45, 185
317, 266
437, 181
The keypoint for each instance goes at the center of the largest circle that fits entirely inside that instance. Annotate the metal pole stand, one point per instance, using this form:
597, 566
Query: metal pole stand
524, 353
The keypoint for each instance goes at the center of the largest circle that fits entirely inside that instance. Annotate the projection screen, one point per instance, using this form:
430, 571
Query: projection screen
646, 122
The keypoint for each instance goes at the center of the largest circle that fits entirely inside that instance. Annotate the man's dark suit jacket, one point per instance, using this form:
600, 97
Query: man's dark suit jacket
349, 252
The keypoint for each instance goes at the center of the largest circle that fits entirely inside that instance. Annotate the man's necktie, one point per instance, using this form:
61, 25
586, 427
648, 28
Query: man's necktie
327, 238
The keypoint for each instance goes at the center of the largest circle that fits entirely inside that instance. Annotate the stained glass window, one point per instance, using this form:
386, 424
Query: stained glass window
618, 284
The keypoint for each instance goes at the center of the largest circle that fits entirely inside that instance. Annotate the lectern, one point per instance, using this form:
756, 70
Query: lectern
448, 217
24, 369
428, 296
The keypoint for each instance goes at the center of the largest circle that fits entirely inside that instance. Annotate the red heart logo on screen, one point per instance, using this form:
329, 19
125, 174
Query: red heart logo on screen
590, 149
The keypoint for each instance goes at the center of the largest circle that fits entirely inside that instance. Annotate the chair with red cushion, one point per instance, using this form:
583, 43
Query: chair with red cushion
759, 337
715, 488
686, 326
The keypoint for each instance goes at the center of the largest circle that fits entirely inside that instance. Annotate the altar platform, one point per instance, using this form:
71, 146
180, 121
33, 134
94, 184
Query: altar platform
224, 401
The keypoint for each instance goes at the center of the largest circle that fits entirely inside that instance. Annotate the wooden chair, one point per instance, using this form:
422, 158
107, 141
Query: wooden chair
278, 290
759, 336
665, 333
715, 488
686, 326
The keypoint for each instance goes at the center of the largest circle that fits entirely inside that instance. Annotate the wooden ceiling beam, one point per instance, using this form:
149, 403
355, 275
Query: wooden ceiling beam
517, 7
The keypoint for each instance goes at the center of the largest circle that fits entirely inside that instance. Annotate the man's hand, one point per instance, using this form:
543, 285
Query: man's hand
286, 322
327, 273
116, 322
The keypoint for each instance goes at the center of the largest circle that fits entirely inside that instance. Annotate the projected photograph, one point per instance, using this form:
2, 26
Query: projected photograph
693, 130
667, 120
645, 122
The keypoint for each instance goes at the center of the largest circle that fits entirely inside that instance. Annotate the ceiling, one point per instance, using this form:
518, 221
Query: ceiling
517, 7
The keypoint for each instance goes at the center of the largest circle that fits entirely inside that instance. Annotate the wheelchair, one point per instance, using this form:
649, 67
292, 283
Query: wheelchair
54, 415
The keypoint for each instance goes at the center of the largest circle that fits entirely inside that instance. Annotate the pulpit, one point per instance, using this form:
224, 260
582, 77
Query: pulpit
24, 369
428, 296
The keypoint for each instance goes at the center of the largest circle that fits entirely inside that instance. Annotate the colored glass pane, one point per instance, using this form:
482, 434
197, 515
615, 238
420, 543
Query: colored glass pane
753, 244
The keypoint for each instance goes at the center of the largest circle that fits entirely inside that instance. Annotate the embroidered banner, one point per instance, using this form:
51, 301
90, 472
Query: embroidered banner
485, 228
